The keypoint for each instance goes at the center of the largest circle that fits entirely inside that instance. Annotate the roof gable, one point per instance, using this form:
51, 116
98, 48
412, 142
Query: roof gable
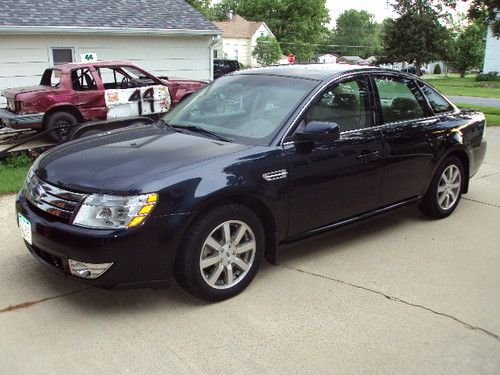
103, 14
239, 27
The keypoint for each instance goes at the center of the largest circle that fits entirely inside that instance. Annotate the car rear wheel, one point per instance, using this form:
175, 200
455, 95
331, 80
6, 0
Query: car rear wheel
221, 253
445, 190
59, 124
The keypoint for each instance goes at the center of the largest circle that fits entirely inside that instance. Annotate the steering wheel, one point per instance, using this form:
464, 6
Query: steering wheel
125, 82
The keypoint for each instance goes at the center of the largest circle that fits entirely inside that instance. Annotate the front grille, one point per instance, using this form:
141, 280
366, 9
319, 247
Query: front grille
51, 199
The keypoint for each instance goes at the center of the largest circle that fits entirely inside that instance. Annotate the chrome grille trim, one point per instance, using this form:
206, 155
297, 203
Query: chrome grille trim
275, 175
51, 199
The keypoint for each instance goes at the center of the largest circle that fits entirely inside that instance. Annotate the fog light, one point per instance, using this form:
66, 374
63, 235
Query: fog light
88, 270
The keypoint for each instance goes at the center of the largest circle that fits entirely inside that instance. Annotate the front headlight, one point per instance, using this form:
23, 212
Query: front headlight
102, 211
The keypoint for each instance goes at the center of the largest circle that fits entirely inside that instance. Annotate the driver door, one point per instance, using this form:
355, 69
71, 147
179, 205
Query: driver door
125, 97
334, 180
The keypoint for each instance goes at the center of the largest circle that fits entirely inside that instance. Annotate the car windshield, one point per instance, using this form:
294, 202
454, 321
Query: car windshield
248, 109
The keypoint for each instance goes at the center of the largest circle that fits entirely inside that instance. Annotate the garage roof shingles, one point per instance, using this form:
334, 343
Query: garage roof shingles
119, 14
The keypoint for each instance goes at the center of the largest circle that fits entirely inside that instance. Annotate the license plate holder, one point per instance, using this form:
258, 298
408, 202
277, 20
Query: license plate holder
25, 228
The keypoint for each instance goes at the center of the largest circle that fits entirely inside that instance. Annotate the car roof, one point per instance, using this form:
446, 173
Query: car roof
317, 72
69, 66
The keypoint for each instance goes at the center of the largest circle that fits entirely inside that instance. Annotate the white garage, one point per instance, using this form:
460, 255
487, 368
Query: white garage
167, 37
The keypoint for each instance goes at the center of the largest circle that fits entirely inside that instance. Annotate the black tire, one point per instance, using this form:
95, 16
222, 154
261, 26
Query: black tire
57, 120
430, 205
187, 270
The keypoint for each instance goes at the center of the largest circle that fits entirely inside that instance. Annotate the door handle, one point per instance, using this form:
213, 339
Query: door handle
368, 156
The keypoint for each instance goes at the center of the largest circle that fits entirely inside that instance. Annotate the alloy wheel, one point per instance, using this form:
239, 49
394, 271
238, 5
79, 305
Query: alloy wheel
227, 254
449, 186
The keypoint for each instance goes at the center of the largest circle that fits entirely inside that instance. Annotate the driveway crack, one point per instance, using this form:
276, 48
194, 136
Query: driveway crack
27, 304
486, 204
396, 299
485, 176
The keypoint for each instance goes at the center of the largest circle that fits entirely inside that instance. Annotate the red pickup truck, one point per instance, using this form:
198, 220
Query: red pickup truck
75, 93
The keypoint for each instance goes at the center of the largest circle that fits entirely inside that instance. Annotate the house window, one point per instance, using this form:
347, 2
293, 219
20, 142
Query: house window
215, 53
262, 33
236, 54
62, 55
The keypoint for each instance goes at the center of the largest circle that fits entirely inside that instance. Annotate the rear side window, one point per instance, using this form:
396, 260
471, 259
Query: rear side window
400, 99
51, 77
82, 80
437, 102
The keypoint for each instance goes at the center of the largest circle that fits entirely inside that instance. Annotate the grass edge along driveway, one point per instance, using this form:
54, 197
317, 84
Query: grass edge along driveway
453, 85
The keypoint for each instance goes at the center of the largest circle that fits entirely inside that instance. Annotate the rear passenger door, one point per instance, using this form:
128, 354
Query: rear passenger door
408, 139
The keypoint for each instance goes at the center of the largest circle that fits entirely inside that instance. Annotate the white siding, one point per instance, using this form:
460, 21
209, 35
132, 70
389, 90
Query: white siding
23, 58
492, 54
237, 49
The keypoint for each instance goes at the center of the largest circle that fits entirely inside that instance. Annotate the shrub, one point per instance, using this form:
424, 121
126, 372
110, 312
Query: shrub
491, 76
437, 69
18, 161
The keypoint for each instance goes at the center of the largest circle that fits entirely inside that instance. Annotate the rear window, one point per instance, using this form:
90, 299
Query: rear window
51, 77
437, 102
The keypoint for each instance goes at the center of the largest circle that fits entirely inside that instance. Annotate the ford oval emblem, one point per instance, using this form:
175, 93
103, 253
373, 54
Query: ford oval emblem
38, 192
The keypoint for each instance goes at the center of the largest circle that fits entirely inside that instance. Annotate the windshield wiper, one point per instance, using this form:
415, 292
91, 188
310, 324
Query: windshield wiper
199, 129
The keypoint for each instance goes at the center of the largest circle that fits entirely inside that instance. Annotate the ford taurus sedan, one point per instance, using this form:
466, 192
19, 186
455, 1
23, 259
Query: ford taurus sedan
253, 161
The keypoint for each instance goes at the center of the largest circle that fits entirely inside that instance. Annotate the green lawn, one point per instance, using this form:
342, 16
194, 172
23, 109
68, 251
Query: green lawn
468, 86
12, 173
492, 113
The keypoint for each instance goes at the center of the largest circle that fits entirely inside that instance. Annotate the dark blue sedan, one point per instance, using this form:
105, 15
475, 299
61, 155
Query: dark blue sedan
253, 161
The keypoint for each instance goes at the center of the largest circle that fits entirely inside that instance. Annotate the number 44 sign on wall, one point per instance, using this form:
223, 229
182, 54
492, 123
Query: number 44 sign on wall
88, 57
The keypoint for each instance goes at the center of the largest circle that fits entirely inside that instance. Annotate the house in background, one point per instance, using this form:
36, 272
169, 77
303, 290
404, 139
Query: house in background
239, 37
492, 53
324, 58
165, 37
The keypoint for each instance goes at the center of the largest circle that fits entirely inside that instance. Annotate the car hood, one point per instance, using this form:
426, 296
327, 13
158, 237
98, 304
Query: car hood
122, 161
12, 92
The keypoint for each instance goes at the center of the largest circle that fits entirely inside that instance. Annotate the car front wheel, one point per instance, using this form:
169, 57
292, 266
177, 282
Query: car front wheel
221, 253
445, 190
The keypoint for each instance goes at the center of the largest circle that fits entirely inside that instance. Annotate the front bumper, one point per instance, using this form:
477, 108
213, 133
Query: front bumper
16, 121
141, 257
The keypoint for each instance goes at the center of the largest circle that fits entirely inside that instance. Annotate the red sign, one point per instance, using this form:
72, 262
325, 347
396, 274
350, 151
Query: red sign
291, 58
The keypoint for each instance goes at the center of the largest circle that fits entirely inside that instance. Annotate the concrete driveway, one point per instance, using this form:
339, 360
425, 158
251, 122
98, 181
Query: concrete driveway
487, 102
398, 294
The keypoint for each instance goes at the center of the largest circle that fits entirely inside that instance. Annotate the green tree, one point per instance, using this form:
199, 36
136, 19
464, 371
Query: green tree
483, 11
297, 25
267, 51
468, 52
220, 10
356, 33
416, 36
203, 6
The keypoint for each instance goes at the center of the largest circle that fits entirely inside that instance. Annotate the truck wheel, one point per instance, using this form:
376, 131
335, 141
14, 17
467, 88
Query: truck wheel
59, 125
221, 252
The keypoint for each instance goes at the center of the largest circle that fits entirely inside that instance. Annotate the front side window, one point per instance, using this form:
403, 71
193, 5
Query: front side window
123, 77
249, 109
400, 99
346, 104
437, 102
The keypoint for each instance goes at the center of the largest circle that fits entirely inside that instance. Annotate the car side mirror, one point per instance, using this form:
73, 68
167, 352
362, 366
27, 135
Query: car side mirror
318, 131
